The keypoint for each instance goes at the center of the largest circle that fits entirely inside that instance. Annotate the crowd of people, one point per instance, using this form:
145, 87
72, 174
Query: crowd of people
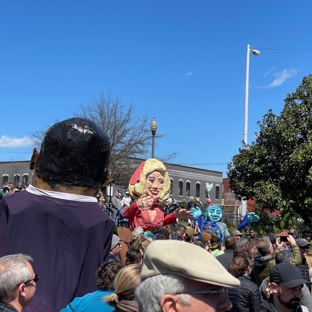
60, 252
9, 189
274, 270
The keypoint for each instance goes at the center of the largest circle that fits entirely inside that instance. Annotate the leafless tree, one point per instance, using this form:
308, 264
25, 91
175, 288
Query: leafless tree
38, 135
129, 134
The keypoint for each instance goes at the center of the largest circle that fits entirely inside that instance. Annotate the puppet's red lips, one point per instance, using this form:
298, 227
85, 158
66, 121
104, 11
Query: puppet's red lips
154, 192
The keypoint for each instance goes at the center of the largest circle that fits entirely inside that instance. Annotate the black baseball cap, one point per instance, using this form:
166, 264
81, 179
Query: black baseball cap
287, 274
302, 243
164, 232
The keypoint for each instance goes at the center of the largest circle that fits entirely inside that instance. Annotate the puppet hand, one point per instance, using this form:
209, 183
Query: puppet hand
182, 213
145, 202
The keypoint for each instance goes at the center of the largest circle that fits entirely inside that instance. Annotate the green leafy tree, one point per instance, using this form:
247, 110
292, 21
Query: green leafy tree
276, 169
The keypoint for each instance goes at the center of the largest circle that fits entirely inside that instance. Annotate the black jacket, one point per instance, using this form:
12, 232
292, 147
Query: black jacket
226, 259
267, 305
263, 265
246, 297
304, 269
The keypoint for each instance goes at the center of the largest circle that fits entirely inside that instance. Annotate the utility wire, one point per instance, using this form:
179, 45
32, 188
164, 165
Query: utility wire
281, 49
207, 164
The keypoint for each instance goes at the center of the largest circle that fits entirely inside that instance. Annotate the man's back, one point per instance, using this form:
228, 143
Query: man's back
67, 237
262, 268
226, 258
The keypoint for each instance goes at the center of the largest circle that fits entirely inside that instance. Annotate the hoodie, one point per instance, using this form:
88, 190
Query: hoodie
262, 267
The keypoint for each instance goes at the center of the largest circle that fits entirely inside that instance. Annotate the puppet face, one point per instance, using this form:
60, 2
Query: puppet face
154, 184
214, 213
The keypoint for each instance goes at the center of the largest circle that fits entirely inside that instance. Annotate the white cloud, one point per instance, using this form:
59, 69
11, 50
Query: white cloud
6, 141
189, 73
280, 77
269, 71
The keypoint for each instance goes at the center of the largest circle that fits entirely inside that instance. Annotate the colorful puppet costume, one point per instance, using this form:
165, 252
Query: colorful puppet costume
155, 215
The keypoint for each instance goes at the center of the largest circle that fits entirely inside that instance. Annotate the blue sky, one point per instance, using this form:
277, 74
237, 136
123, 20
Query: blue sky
182, 62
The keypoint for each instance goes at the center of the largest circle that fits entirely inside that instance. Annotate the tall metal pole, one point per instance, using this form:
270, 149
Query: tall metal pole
246, 96
153, 127
153, 144
245, 133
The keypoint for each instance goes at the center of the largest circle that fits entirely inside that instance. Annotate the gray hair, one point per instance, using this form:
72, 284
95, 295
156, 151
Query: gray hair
264, 246
13, 271
284, 256
152, 289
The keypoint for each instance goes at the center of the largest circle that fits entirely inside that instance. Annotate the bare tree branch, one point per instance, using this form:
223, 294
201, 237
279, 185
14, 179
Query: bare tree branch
130, 135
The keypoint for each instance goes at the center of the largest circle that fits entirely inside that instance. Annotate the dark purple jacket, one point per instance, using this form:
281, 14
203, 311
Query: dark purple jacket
67, 238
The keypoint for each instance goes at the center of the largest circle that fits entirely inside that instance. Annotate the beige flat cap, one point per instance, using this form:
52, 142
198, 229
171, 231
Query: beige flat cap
186, 260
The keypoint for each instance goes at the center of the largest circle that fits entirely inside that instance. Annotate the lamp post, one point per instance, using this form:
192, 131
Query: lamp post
153, 127
255, 53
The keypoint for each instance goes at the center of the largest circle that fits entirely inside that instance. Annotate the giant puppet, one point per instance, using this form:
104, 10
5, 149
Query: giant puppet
213, 216
58, 221
149, 186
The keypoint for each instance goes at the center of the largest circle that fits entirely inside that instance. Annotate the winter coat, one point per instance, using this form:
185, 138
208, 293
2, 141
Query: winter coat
304, 269
226, 259
246, 297
262, 267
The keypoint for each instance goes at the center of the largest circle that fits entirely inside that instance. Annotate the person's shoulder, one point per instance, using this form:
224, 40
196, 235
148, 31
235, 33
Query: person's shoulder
247, 281
5, 307
90, 300
271, 263
267, 305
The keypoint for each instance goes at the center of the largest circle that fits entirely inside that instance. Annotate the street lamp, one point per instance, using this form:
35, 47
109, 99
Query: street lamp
153, 127
255, 53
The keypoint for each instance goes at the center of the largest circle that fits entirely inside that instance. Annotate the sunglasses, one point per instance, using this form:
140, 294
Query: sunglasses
35, 279
222, 292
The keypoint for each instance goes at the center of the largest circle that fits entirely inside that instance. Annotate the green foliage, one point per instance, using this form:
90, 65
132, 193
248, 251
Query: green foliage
276, 170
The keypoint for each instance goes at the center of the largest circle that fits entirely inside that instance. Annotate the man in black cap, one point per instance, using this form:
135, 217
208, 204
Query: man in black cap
58, 221
286, 283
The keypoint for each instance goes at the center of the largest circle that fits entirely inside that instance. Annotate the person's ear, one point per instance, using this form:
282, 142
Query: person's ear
169, 303
273, 287
21, 290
